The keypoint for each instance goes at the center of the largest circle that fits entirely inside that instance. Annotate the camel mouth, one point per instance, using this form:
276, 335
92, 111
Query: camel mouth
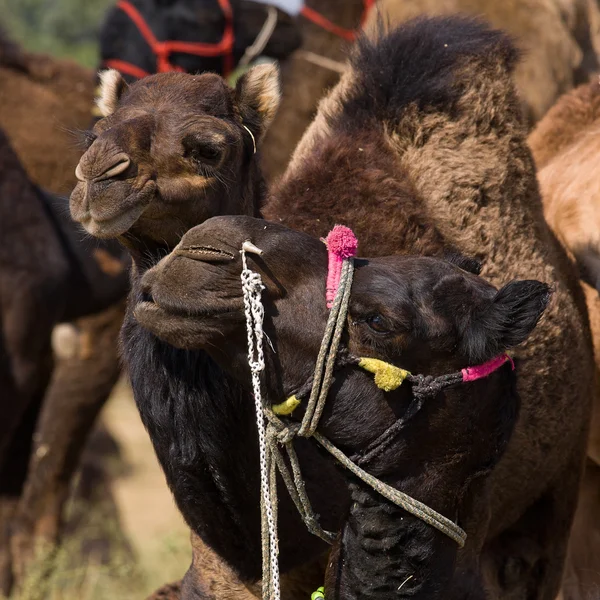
180, 329
204, 253
103, 214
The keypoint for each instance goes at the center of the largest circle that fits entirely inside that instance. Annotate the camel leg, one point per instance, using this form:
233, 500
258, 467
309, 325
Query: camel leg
12, 480
210, 578
526, 561
25, 369
82, 381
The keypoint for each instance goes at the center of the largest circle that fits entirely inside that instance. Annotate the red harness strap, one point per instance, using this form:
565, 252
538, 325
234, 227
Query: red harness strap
163, 50
321, 21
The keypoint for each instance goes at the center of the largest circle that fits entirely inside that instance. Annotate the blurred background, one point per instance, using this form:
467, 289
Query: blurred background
62, 28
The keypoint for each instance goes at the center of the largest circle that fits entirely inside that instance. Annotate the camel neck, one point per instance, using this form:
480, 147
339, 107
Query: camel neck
385, 552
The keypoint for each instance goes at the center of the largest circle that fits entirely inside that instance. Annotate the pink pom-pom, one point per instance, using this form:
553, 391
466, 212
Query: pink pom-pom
342, 242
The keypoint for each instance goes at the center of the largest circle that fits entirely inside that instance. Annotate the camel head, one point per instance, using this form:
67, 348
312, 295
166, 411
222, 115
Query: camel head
171, 151
190, 21
422, 314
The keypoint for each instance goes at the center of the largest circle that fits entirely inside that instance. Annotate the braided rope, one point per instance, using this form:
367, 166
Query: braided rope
252, 288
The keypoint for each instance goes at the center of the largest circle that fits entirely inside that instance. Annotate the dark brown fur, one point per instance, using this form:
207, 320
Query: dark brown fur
404, 310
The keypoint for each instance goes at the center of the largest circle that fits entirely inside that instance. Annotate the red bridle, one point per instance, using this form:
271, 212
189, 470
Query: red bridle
324, 23
163, 50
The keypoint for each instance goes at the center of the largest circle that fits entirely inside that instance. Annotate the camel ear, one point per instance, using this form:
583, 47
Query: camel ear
507, 320
112, 86
258, 93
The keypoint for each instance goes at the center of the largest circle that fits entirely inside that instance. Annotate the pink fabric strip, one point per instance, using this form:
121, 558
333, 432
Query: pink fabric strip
341, 244
487, 368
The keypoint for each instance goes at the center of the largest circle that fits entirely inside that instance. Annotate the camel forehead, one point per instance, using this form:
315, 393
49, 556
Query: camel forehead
180, 92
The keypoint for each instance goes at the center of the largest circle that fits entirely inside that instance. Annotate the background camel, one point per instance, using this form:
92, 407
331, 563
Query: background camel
557, 35
43, 103
56, 276
123, 47
402, 309
565, 148
436, 181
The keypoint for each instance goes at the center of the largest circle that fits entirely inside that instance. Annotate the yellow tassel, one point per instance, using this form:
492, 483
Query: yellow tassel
319, 594
387, 377
287, 407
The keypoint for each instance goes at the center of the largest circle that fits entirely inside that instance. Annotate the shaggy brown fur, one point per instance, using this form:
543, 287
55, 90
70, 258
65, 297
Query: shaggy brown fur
463, 157
557, 36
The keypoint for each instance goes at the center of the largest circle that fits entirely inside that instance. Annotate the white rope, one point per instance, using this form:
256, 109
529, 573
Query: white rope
262, 39
252, 288
322, 61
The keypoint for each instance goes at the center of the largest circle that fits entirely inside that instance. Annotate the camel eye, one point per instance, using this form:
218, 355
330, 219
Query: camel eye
202, 151
377, 324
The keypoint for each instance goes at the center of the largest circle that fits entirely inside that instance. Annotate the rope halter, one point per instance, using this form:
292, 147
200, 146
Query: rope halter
276, 436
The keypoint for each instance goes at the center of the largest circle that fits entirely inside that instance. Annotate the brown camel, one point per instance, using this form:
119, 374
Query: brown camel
457, 184
426, 315
40, 123
56, 277
557, 36
446, 160
566, 152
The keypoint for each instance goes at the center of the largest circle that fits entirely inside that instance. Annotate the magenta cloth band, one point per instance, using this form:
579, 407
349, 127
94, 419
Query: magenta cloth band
487, 368
341, 244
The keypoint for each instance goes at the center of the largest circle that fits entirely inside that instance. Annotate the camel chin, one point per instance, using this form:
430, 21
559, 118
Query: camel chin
114, 217
176, 330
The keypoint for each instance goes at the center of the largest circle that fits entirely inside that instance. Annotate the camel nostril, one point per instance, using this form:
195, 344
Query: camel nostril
106, 168
120, 166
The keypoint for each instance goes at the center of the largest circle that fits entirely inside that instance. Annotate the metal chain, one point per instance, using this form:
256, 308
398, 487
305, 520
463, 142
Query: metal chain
252, 288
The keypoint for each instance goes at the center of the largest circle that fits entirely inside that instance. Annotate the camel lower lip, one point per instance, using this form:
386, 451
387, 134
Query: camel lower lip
118, 224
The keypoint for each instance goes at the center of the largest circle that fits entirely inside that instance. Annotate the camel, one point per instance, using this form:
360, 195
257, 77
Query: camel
202, 28
59, 277
564, 148
465, 181
40, 125
423, 314
557, 37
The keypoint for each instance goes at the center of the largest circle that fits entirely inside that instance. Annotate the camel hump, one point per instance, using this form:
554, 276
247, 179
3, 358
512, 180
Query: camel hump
417, 62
